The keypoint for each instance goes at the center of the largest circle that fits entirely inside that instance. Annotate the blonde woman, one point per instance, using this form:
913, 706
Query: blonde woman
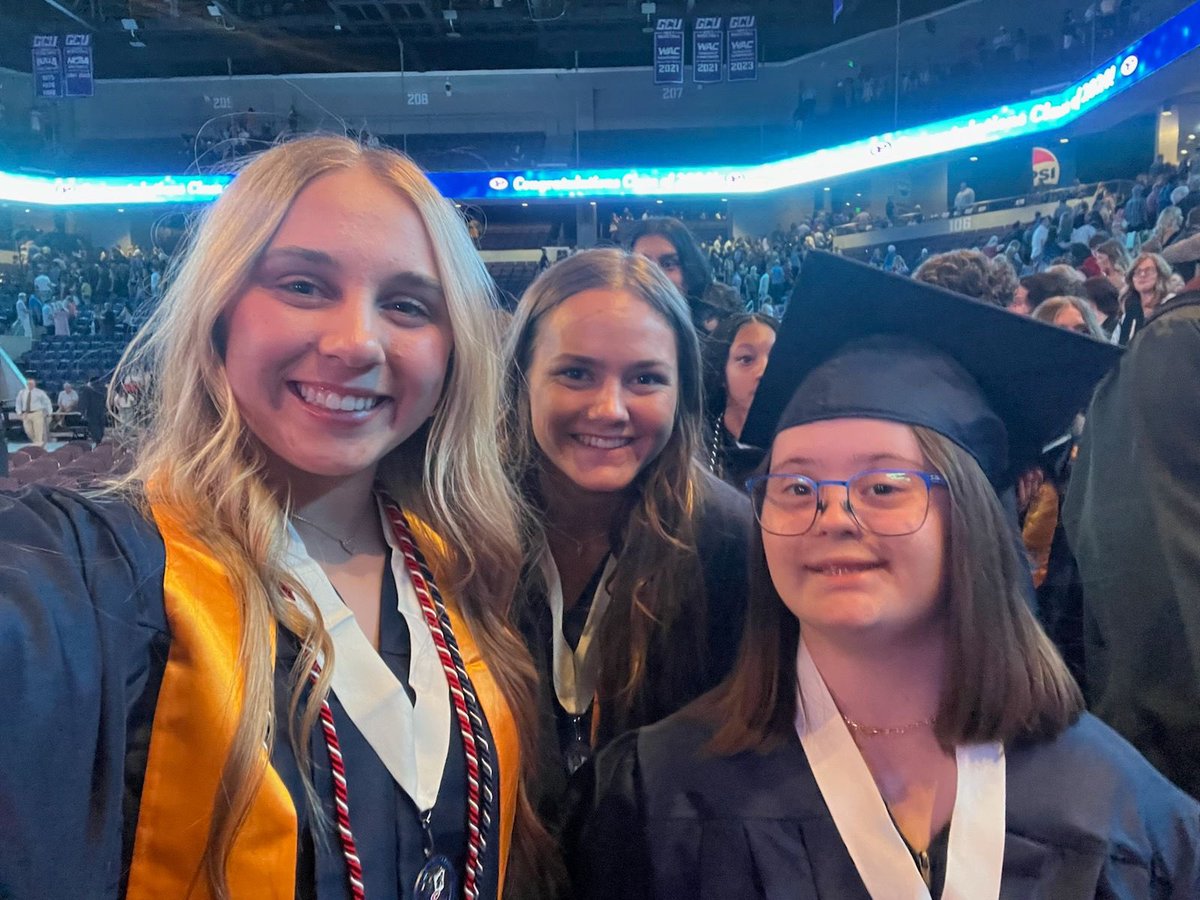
636, 554
1167, 229
897, 724
274, 661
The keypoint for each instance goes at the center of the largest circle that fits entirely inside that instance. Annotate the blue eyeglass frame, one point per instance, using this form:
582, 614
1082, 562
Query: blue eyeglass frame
931, 479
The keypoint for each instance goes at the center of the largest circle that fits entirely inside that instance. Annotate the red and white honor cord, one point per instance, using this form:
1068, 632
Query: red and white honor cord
476, 750
341, 800
456, 676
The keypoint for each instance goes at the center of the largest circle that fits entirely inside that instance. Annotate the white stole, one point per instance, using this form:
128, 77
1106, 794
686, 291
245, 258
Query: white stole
576, 671
411, 741
975, 857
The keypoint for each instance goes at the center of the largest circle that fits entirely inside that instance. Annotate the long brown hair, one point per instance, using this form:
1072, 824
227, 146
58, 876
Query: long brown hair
658, 573
1004, 680
198, 457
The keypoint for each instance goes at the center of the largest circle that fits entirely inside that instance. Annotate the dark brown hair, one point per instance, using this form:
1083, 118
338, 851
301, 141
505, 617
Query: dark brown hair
1005, 681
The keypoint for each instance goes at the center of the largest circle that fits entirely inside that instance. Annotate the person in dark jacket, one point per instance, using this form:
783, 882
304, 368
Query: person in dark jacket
93, 406
1132, 516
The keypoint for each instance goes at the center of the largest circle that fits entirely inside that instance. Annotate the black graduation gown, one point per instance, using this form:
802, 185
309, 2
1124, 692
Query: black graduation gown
722, 536
1087, 818
83, 646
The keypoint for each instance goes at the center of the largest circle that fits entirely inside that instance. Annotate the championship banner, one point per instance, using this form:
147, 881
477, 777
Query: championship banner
78, 70
706, 50
743, 49
668, 51
47, 66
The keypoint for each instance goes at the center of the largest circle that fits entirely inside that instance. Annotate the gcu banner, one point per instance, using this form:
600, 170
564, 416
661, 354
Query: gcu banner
743, 49
47, 66
668, 51
706, 50
79, 82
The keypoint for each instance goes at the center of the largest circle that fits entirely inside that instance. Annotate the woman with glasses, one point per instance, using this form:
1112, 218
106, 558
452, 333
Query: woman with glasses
1147, 285
897, 724
635, 588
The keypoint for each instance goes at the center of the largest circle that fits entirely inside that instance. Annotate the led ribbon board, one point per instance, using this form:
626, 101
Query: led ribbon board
115, 191
1162, 46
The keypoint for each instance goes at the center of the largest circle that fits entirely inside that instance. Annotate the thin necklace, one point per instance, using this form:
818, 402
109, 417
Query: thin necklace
868, 731
580, 545
347, 544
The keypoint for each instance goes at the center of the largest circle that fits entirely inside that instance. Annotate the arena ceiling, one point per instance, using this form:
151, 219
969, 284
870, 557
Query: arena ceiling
172, 38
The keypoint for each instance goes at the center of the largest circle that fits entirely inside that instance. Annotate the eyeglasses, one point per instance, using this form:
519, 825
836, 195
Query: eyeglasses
886, 502
1146, 270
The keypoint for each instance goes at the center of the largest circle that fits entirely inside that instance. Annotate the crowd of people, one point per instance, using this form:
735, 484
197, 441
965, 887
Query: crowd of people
631, 593
1124, 253
60, 285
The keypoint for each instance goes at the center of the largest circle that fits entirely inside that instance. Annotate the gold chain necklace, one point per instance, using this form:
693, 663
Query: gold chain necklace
868, 731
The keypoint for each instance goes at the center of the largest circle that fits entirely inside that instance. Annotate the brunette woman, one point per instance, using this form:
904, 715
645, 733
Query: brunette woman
275, 661
734, 361
668, 243
897, 725
635, 582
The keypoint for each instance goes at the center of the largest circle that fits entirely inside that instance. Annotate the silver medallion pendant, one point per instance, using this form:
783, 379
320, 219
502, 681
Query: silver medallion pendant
436, 880
578, 749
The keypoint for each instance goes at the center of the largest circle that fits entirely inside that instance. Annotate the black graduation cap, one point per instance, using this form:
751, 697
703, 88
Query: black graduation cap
859, 342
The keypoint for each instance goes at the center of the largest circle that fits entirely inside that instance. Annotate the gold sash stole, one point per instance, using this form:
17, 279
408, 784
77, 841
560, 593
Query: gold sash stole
199, 702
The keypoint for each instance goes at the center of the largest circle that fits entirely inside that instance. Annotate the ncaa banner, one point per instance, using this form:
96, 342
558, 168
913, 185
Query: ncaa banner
47, 66
668, 51
706, 50
743, 49
78, 71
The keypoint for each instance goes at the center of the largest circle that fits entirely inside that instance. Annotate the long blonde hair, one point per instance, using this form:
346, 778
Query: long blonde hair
196, 456
659, 578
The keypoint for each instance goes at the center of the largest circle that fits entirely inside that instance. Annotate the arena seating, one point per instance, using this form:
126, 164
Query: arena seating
505, 236
54, 359
513, 277
75, 464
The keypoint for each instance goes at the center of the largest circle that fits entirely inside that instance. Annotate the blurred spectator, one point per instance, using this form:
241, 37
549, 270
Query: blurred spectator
671, 246
1113, 262
1132, 515
34, 409
964, 199
1106, 297
68, 399
23, 325
1071, 313
1168, 227
972, 274
1147, 285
